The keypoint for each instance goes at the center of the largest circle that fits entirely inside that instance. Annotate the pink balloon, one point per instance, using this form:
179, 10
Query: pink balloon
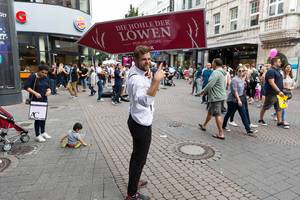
273, 53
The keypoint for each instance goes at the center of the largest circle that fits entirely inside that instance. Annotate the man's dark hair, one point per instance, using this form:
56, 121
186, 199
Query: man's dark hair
274, 60
77, 126
218, 62
140, 50
43, 67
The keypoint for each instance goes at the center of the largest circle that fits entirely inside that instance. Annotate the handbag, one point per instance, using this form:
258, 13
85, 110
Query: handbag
282, 101
288, 93
37, 110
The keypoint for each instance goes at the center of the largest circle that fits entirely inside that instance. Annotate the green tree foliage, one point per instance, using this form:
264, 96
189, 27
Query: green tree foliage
132, 12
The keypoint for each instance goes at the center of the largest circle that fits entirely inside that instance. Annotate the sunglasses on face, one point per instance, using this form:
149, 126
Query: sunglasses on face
241, 71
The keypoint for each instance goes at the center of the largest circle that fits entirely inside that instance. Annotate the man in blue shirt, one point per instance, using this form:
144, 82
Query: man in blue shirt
273, 87
118, 85
205, 77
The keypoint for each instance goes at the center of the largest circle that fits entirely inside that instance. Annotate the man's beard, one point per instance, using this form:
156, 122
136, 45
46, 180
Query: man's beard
144, 67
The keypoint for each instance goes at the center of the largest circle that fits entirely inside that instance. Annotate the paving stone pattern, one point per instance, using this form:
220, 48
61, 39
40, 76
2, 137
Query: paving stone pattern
266, 167
54, 173
169, 176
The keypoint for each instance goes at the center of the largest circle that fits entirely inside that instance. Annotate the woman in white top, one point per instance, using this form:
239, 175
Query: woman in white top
288, 85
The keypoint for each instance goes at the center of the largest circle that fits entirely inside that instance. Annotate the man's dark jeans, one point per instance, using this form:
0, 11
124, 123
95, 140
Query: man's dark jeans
117, 92
232, 107
141, 136
100, 89
53, 86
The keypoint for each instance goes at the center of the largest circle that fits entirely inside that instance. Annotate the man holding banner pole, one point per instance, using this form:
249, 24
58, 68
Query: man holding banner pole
142, 89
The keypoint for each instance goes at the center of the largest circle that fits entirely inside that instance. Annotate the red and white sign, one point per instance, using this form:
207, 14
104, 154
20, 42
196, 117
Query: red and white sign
21, 17
170, 31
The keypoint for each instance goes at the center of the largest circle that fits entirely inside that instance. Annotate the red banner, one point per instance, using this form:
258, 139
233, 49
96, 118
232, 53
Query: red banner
170, 31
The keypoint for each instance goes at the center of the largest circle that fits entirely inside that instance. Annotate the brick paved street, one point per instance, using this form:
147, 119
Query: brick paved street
266, 167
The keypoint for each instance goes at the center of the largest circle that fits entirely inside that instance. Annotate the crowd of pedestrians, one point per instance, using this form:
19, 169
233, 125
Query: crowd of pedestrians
265, 86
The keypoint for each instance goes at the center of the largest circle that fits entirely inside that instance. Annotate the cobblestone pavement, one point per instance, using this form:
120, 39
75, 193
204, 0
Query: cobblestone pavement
266, 167
51, 172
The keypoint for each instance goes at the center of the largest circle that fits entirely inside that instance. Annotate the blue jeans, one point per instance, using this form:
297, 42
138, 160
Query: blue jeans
100, 89
39, 127
53, 86
283, 114
232, 107
198, 88
83, 82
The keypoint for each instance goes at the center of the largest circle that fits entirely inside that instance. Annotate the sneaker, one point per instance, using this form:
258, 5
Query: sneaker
114, 103
250, 132
227, 129
142, 183
40, 138
46, 136
274, 117
253, 126
100, 100
138, 196
283, 125
262, 122
233, 124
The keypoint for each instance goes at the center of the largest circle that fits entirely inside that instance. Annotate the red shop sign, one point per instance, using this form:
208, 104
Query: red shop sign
170, 31
21, 17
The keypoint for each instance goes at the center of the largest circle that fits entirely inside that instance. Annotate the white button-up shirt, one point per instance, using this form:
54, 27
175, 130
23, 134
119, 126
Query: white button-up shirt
141, 105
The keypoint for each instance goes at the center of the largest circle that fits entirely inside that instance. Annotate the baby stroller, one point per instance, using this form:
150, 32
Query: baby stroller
7, 122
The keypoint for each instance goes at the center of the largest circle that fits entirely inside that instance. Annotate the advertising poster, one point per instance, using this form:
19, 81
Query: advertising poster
6, 59
295, 64
170, 31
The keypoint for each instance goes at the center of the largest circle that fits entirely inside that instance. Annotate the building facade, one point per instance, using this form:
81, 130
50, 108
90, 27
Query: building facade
244, 31
47, 30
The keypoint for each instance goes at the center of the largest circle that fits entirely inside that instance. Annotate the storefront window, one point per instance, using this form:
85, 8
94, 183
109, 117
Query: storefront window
28, 52
84, 5
190, 4
61, 45
66, 3
43, 48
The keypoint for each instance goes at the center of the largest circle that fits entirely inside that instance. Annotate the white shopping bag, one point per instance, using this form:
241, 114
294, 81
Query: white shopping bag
38, 110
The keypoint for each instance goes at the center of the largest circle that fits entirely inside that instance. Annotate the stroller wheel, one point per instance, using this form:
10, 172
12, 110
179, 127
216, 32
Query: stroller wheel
7, 147
24, 138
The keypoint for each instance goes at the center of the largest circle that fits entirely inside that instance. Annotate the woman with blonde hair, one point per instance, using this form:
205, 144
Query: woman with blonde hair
61, 73
237, 101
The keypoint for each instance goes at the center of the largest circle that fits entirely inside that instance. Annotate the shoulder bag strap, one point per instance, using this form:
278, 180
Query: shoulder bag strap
33, 87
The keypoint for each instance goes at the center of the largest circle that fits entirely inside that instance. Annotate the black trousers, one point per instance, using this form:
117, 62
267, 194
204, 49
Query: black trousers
141, 136
117, 92
39, 127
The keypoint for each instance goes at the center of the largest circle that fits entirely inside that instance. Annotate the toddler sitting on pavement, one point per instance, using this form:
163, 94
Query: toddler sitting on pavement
73, 139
